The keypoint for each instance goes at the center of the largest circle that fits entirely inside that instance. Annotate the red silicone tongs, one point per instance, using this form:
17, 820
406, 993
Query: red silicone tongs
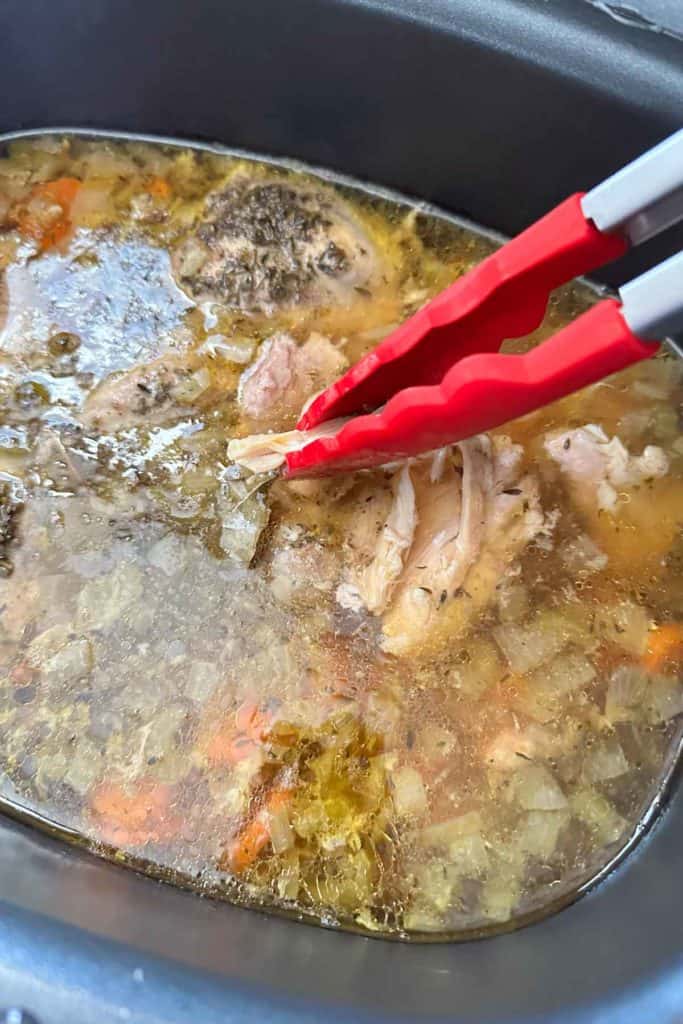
439, 377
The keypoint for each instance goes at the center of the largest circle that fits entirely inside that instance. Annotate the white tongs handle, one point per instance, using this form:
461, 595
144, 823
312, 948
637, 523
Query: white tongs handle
652, 304
643, 198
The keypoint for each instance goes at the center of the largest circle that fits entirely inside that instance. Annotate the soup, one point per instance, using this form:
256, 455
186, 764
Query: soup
435, 699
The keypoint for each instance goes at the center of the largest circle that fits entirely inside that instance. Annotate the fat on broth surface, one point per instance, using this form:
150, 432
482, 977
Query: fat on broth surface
430, 700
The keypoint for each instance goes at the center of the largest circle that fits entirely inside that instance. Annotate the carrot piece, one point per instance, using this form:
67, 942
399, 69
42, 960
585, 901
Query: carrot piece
159, 188
21, 674
240, 736
228, 747
252, 720
253, 838
255, 835
133, 818
35, 223
61, 190
665, 643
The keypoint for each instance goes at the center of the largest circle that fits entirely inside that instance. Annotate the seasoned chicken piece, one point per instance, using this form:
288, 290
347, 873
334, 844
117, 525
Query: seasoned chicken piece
267, 245
284, 374
599, 468
472, 544
147, 395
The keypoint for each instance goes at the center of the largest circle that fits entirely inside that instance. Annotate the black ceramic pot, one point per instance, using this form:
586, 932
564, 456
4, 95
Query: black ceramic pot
494, 109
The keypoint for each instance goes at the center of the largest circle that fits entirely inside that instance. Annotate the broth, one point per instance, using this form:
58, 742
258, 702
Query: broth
430, 700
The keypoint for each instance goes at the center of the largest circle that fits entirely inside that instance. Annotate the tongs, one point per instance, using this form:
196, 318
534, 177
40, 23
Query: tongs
439, 377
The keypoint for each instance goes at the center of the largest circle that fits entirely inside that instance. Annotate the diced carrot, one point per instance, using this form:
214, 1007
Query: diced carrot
228, 747
665, 644
240, 736
253, 838
255, 835
21, 674
61, 190
253, 720
35, 223
159, 188
133, 818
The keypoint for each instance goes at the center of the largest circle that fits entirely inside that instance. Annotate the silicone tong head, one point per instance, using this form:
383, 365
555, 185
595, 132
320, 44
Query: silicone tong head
479, 393
505, 296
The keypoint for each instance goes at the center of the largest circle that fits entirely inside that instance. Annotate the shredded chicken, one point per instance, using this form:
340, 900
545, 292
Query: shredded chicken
266, 453
375, 582
284, 374
589, 457
457, 521
467, 545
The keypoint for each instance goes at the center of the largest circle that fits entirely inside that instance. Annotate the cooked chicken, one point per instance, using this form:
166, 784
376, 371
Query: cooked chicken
455, 525
270, 244
266, 453
613, 492
462, 546
147, 395
374, 584
451, 521
284, 374
589, 457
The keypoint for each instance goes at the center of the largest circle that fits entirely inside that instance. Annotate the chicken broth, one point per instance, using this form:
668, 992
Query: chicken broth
429, 700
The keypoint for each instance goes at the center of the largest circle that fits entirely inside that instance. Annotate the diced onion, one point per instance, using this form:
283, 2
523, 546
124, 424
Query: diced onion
539, 832
410, 795
435, 882
513, 602
189, 390
597, 814
664, 698
469, 856
567, 674
288, 881
582, 555
528, 646
441, 835
534, 788
625, 694
548, 685
627, 625
500, 896
606, 760
482, 670
91, 203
